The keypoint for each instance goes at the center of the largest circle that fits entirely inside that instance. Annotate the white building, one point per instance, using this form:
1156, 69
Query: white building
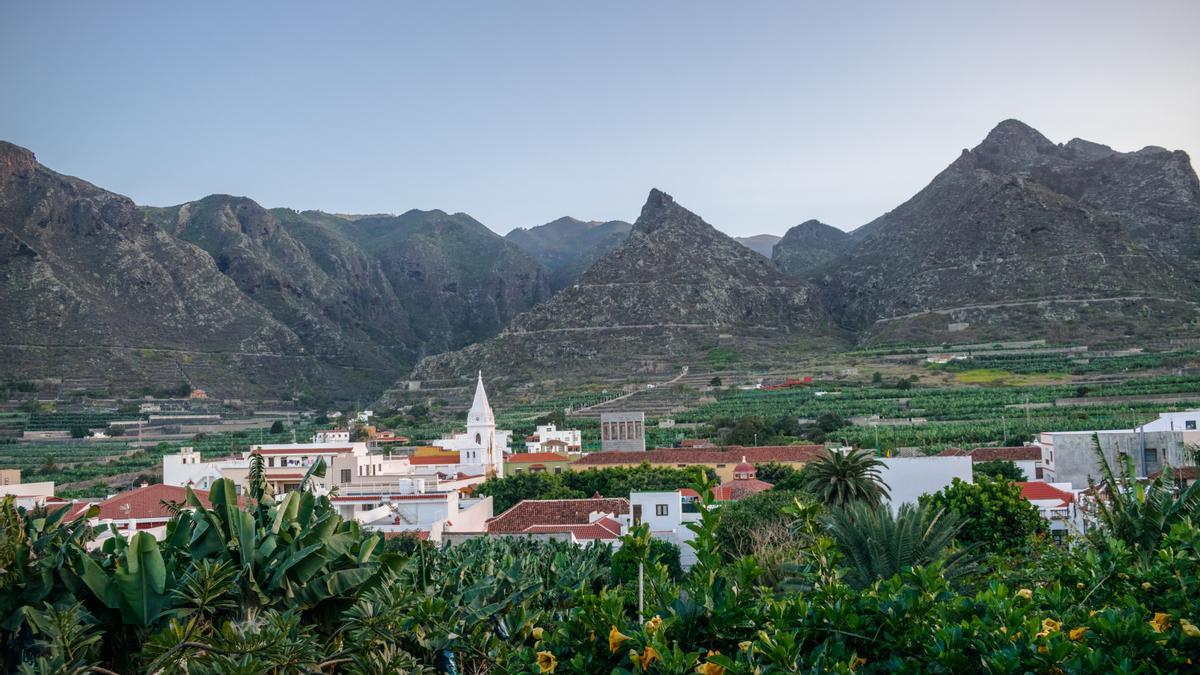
667, 514
910, 477
332, 436
482, 448
548, 438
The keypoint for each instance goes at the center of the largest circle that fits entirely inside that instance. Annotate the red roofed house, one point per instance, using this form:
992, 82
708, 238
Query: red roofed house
1056, 502
1028, 458
549, 438
744, 484
140, 509
722, 460
576, 520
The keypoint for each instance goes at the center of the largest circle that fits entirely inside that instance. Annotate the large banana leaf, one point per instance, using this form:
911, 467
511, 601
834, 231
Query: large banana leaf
141, 578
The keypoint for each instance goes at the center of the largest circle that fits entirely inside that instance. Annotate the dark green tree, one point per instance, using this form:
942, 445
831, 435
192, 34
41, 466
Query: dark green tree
994, 514
1000, 469
277, 427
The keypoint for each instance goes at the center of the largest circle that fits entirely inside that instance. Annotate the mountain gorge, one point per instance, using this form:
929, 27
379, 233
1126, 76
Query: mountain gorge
567, 246
1017, 237
674, 289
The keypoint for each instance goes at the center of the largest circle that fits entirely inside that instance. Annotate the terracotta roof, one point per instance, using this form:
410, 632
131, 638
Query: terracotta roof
140, 504
603, 528
1038, 490
531, 512
727, 455
740, 489
1181, 473
689, 492
526, 457
1022, 453
554, 443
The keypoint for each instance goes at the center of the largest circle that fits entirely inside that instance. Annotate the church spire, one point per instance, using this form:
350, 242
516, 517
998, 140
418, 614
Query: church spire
481, 411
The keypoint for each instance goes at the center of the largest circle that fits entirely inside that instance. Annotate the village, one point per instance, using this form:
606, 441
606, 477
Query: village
432, 492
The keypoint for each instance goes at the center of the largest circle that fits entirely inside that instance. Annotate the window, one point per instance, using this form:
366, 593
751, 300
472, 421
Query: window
367, 507
558, 469
478, 439
1189, 425
660, 509
270, 461
720, 466
347, 475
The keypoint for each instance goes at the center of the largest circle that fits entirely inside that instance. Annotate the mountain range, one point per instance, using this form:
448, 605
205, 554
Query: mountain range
1018, 236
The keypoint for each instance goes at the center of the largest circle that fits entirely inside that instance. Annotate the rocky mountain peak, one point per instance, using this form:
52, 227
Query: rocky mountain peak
14, 159
1011, 143
660, 210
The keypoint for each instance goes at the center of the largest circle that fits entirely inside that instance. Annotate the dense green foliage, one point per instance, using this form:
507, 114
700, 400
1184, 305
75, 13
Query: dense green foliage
289, 587
878, 545
614, 481
759, 521
993, 512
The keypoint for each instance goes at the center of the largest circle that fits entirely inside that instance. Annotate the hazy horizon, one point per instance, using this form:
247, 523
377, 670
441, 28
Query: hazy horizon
757, 117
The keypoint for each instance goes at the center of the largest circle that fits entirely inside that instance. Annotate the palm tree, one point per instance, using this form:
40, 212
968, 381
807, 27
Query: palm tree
1140, 514
876, 546
838, 478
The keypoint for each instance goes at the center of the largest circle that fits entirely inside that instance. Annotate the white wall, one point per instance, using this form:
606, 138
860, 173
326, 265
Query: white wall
910, 477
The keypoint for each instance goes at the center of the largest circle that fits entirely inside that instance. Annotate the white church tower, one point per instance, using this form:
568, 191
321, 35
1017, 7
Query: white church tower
484, 446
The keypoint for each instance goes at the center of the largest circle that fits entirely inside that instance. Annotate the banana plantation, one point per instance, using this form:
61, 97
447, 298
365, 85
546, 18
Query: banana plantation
253, 583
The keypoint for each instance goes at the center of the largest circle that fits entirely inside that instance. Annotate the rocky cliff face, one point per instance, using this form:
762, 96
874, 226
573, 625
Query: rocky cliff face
567, 246
1021, 236
92, 289
668, 293
236, 299
808, 247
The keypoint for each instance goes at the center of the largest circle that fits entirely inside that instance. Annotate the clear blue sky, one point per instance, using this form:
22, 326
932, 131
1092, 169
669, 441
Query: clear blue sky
755, 115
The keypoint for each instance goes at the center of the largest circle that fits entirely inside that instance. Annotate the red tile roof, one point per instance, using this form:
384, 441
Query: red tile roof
740, 489
531, 512
731, 454
1039, 490
603, 528
526, 457
1013, 454
141, 503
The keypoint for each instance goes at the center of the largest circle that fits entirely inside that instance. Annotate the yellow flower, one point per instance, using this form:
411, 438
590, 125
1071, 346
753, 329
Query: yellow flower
546, 662
1079, 585
653, 624
744, 645
1043, 650
1160, 622
649, 655
1077, 633
856, 662
1145, 585
1025, 593
1189, 628
1049, 626
538, 632
615, 639
709, 668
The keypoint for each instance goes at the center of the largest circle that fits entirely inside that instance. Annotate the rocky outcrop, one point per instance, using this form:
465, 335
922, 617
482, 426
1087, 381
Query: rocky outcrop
675, 288
809, 247
236, 299
567, 246
1020, 236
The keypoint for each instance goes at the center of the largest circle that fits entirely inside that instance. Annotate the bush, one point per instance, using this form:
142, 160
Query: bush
756, 522
79, 431
1001, 469
994, 513
277, 427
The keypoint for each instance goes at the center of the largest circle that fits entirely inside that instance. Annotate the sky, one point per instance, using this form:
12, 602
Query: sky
755, 115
